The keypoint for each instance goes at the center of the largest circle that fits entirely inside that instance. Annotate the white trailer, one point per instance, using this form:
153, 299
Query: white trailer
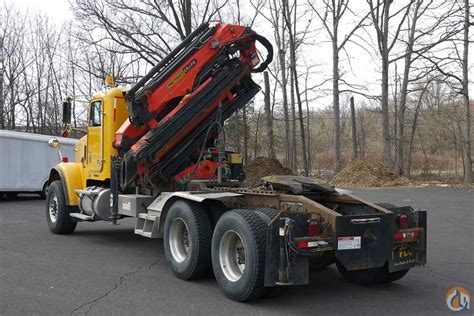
26, 160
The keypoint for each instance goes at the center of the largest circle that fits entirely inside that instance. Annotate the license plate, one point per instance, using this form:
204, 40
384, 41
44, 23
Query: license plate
350, 242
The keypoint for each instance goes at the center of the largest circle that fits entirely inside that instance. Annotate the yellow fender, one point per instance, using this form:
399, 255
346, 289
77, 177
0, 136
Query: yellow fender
70, 174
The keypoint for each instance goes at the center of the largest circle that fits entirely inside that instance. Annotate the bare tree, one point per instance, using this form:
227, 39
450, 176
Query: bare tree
415, 44
381, 16
296, 38
332, 18
147, 27
465, 92
448, 66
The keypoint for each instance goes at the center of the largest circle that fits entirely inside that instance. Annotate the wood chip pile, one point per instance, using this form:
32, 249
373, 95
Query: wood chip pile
367, 173
263, 166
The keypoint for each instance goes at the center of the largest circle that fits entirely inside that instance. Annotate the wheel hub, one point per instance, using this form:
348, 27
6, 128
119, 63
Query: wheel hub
179, 239
232, 255
53, 208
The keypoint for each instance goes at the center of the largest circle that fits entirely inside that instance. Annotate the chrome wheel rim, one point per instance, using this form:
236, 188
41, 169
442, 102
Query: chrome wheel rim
53, 208
232, 256
179, 239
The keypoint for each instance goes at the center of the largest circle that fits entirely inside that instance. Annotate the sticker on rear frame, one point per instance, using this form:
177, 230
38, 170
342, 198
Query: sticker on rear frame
350, 242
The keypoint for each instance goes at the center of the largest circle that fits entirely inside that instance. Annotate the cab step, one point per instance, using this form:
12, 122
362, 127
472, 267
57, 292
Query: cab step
82, 217
147, 226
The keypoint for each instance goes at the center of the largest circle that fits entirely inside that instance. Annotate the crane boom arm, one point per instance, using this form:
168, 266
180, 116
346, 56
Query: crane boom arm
172, 109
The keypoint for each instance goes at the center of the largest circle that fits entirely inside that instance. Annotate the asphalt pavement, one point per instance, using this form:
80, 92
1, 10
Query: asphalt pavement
105, 269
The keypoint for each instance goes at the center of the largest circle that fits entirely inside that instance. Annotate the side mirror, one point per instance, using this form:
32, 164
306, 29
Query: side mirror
67, 111
53, 142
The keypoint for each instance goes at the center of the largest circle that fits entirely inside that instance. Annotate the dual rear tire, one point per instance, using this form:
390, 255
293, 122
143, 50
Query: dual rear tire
235, 250
371, 276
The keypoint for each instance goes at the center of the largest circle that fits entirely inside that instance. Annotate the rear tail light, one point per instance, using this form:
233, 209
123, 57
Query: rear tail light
313, 228
398, 235
64, 133
403, 235
65, 159
403, 220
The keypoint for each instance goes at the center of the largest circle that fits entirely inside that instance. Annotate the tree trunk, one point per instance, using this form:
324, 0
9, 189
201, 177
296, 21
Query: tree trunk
400, 163
301, 119
293, 159
268, 117
467, 114
308, 130
412, 135
354, 130
284, 84
2, 99
244, 123
387, 155
255, 147
335, 97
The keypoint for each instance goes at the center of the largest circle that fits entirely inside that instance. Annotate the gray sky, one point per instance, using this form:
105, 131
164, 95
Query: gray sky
365, 70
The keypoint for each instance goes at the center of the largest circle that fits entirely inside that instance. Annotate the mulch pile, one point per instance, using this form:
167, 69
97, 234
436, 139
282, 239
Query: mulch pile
367, 173
262, 167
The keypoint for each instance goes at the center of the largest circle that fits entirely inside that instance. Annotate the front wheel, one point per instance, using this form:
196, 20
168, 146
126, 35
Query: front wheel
238, 254
57, 212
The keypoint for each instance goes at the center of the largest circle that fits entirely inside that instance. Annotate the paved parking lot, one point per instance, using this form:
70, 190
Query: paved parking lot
105, 269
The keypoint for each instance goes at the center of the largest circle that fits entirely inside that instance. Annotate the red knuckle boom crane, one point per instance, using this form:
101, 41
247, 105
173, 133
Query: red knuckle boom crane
179, 104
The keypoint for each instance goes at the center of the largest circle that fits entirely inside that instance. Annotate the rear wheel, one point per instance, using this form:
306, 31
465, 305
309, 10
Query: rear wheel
370, 276
187, 240
57, 212
267, 214
238, 254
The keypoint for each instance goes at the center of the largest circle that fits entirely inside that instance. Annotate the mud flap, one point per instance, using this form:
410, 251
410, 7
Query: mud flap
299, 265
407, 255
364, 241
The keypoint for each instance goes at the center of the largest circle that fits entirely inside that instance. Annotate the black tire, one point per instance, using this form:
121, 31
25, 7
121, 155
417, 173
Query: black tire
370, 276
56, 204
43, 191
267, 214
321, 261
214, 210
364, 276
11, 195
397, 275
194, 260
251, 229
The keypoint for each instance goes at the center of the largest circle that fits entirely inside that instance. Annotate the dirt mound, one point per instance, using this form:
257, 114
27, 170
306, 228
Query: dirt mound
367, 173
262, 167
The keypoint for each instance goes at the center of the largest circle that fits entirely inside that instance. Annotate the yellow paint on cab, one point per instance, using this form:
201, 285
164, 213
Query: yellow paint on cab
94, 151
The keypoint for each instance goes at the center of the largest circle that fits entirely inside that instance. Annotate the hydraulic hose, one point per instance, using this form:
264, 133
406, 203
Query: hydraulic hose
268, 46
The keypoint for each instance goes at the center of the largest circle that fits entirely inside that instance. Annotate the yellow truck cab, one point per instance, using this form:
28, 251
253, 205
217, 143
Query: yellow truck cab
106, 113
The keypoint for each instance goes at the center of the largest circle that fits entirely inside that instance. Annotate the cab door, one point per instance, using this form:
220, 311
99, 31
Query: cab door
95, 141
